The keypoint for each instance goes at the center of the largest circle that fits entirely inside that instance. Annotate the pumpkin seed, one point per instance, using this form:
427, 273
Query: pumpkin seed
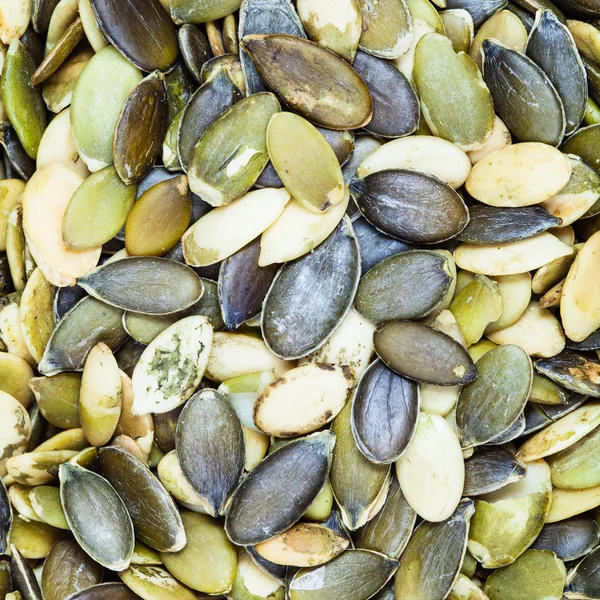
153, 582
336, 25
99, 96
16, 429
479, 11
387, 28
68, 570
423, 571
171, 367
434, 60
458, 25
569, 503
6, 517
33, 540
10, 193
423, 354
393, 202
570, 539
498, 139
283, 486
14, 18
357, 574
10, 328
59, 19
573, 371
587, 39
45, 501
15, 373
298, 70
252, 583
140, 30
188, 11
195, 49
57, 90
15, 248
23, 576
582, 144
490, 469
18, 159
117, 591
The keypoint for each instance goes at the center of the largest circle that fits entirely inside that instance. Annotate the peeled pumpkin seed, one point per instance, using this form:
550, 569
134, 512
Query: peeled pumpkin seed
356, 574
587, 39
16, 429
252, 582
15, 374
154, 582
573, 371
434, 60
316, 291
553, 272
10, 328
425, 153
569, 503
229, 157
10, 193
171, 367
336, 25
188, 11
117, 591
583, 144
387, 28
394, 202
99, 96
23, 102
37, 468
33, 540
297, 70
324, 187
425, 573
498, 139
570, 539
490, 469
209, 419
83, 490
15, 19
458, 25
515, 291
45, 501
61, 17
144, 284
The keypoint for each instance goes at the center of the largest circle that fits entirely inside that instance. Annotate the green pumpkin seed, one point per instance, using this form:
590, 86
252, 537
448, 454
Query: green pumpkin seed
409, 285
23, 103
68, 570
277, 487
434, 60
537, 574
587, 38
583, 144
108, 538
570, 539
33, 540
319, 305
336, 25
387, 28
251, 583
23, 576
45, 501
57, 90
553, 272
355, 574
170, 158
324, 187
459, 27
545, 391
15, 374
141, 128
480, 10
140, 284
99, 96
490, 469
155, 583
15, 248
523, 121
10, 193
465, 589
183, 347
16, 429
61, 17
423, 354
140, 30
5, 579
195, 49
298, 70
426, 573
231, 154
116, 591
191, 11
500, 396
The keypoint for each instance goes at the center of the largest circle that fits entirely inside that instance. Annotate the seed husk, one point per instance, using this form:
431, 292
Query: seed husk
434, 61
144, 284
480, 11
209, 420
315, 177
424, 153
524, 122
109, 537
229, 157
583, 144
190, 11
432, 461
195, 49
298, 70
402, 202
490, 469
23, 576
6, 517
573, 371
356, 574
16, 429
116, 591
172, 365
159, 218
423, 354
337, 25
570, 539
140, 30
283, 486
68, 570
23, 103
23, 164
253, 583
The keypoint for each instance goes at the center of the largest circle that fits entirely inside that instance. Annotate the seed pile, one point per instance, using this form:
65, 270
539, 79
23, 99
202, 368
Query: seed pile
300, 300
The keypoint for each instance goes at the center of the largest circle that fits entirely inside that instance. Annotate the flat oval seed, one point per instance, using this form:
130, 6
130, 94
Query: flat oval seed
16, 429
490, 469
229, 157
409, 285
278, 491
583, 579
116, 591
410, 206
584, 144
573, 371
423, 354
492, 403
140, 30
98, 99
192, 11
152, 582
15, 374
45, 201
431, 471
45, 501
387, 28
210, 447
313, 175
480, 10
425, 573
551, 44
298, 71
159, 218
458, 25
381, 397
506, 72
97, 210
435, 62
155, 517
570, 539
108, 538
141, 127
171, 367
15, 20
311, 295
195, 49
23, 103
23, 576
150, 285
